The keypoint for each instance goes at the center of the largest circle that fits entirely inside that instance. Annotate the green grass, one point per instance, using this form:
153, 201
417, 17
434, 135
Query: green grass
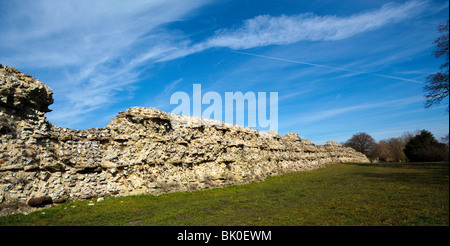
339, 194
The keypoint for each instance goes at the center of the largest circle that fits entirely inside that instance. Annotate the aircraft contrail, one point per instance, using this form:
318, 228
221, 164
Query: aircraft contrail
330, 67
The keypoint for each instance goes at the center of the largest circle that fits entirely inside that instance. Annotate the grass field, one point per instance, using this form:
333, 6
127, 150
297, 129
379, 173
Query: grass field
339, 194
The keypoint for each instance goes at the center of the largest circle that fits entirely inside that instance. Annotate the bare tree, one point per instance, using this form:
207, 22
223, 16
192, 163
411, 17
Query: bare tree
437, 86
362, 142
390, 150
382, 151
396, 147
406, 136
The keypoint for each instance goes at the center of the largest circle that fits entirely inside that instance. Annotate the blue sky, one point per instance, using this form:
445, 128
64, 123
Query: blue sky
339, 67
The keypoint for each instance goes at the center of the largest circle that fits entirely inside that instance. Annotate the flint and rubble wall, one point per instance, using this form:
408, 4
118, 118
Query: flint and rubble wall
141, 151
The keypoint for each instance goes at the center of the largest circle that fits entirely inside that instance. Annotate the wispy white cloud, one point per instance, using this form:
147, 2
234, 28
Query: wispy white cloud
161, 100
266, 30
334, 112
96, 44
352, 71
74, 32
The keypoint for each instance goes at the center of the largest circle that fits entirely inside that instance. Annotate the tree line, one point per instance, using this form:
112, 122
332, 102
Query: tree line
420, 146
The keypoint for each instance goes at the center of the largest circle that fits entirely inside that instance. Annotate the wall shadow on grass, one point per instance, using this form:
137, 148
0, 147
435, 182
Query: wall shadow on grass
414, 173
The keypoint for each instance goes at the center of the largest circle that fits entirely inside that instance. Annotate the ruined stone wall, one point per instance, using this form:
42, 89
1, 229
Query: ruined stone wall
142, 150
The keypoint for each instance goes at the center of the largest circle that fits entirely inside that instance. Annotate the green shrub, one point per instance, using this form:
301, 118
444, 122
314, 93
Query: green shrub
424, 147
